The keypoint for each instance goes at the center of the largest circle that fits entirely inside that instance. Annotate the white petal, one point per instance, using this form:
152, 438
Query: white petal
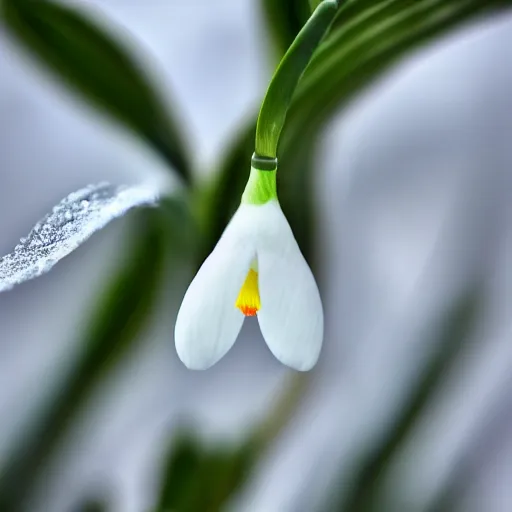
291, 315
208, 322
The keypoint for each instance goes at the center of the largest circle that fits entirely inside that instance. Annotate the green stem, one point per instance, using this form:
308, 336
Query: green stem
284, 82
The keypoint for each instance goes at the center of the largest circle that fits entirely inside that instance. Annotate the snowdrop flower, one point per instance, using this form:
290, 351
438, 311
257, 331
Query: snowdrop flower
256, 269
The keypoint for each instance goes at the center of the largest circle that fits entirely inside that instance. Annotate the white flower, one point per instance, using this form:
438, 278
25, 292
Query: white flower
255, 269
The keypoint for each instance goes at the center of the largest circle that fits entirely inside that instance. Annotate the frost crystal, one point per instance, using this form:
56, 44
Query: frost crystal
70, 223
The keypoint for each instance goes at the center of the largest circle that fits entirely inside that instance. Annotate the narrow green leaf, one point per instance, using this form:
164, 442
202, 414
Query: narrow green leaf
180, 470
95, 65
91, 505
295, 187
313, 4
365, 39
451, 333
123, 313
198, 477
284, 82
284, 19
220, 475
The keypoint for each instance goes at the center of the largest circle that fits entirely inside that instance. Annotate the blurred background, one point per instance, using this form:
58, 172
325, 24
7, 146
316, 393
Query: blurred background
402, 124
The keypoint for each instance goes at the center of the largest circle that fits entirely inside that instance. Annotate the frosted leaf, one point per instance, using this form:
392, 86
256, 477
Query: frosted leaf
70, 223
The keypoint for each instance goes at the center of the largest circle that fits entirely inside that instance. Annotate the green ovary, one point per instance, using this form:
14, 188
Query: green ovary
261, 187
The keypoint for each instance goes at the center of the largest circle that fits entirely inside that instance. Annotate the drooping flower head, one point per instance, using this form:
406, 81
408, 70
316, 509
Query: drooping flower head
256, 269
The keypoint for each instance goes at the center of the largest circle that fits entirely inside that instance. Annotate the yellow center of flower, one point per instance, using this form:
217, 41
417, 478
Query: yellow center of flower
248, 301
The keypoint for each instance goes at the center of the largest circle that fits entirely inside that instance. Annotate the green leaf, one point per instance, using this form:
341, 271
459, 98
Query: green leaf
295, 185
284, 19
313, 4
123, 313
284, 82
94, 64
179, 472
223, 474
452, 332
199, 477
91, 505
366, 38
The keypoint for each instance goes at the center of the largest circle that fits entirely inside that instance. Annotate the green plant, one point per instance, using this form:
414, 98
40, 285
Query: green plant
364, 41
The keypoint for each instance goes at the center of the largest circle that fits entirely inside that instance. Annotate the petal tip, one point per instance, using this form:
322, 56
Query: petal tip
191, 359
195, 365
301, 365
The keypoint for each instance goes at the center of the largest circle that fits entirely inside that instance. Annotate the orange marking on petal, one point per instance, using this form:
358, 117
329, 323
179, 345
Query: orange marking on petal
248, 310
248, 301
